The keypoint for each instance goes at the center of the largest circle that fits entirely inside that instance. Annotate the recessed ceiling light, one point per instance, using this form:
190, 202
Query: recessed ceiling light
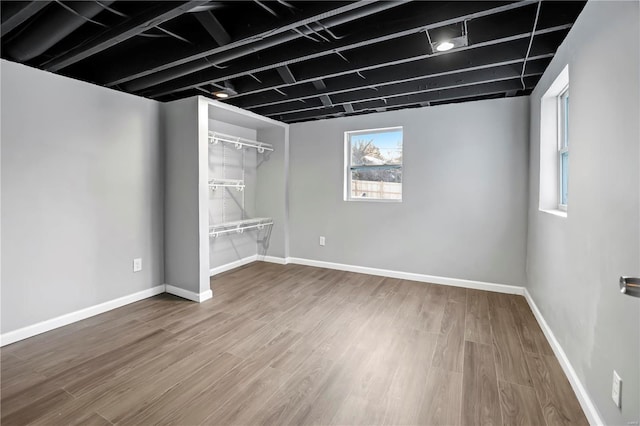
225, 91
448, 44
444, 46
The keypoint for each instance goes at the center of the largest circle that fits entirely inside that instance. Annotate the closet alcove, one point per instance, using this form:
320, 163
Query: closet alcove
225, 192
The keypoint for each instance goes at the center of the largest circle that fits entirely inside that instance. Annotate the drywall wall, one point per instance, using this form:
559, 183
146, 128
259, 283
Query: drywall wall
463, 213
573, 263
186, 211
81, 195
180, 130
272, 188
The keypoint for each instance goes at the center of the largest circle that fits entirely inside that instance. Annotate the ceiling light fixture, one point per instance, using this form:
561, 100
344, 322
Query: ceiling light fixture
226, 91
443, 46
452, 43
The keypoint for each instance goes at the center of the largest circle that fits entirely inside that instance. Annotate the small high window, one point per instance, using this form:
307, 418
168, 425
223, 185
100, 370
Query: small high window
373, 165
554, 146
563, 148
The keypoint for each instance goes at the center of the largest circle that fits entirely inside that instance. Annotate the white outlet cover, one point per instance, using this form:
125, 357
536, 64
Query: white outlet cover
137, 265
616, 389
322, 241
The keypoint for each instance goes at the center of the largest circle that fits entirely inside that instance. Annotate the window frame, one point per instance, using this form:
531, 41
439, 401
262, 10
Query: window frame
563, 143
348, 167
550, 138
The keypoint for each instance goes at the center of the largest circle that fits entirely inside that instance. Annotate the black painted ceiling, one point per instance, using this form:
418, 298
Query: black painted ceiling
293, 60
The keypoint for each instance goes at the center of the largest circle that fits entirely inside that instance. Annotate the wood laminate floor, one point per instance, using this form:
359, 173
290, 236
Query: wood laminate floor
295, 345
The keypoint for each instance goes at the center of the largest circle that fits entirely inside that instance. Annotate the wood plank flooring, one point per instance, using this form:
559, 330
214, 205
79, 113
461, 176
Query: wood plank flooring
296, 345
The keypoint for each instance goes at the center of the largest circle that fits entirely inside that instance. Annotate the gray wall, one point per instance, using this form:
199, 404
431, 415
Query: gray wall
81, 195
186, 211
463, 213
574, 262
271, 192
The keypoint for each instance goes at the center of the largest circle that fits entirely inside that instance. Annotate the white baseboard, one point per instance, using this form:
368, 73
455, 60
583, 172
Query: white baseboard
587, 405
232, 265
189, 295
456, 282
273, 259
47, 325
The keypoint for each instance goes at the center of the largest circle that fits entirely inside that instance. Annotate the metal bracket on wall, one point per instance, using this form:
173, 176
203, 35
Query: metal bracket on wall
630, 286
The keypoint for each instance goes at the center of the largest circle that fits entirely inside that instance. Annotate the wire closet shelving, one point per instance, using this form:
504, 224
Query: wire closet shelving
238, 184
238, 142
237, 226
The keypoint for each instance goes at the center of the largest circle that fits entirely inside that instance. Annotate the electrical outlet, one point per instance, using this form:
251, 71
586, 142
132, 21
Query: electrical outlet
321, 241
617, 388
137, 264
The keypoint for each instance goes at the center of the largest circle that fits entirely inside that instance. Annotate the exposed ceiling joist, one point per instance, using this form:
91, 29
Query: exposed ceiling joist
19, 14
387, 98
256, 46
161, 12
369, 61
250, 39
286, 74
370, 38
411, 67
313, 60
213, 27
408, 74
433, 84
483, 89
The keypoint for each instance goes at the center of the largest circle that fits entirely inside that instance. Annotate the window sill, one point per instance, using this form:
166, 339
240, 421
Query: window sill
372, 200
555, 212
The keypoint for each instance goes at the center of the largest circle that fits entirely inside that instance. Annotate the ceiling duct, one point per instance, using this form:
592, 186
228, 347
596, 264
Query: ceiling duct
50, 27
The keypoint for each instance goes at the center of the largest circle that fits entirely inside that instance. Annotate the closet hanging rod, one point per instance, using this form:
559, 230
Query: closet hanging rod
229, 183
242, 222
239, 226
215, 137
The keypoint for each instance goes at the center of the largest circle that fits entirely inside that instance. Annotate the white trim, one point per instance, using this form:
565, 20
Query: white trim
550, 144
235, 264
240, 111
586, 403
66, 319
273, 259
189, 295
456, 282
555, 212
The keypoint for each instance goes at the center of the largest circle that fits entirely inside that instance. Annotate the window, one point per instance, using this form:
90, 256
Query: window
554, 146
563, 148
373, 165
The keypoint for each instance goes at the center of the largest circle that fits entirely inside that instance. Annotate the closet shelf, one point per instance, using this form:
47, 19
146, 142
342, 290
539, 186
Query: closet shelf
239, 226
215, 137
227, 183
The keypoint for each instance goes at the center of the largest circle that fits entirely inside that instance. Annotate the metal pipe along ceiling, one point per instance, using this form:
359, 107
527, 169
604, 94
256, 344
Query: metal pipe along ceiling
50, 27
181, 70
